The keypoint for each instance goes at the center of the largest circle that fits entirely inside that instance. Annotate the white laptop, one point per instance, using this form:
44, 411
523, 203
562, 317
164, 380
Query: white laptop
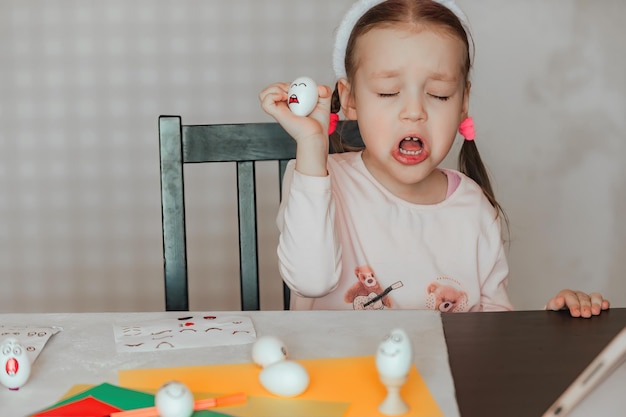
600, 390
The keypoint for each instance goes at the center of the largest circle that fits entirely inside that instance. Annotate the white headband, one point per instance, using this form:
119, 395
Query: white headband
358, 9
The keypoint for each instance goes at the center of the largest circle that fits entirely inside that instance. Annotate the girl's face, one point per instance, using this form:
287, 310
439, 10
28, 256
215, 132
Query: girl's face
409, 95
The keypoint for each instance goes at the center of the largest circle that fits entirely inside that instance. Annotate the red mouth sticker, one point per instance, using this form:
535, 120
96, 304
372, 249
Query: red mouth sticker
12, 366
293, 99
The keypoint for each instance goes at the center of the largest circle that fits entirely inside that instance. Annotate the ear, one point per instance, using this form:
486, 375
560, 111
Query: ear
347, 99
432, 287
466, 96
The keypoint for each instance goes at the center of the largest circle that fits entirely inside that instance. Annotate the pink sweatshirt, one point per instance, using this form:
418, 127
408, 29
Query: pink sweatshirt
348, 243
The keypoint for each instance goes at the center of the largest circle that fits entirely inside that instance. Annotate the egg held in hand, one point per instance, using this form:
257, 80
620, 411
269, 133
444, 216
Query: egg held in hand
302, 96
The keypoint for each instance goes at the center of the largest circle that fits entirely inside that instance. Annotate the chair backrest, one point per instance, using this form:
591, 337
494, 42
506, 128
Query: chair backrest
243, 144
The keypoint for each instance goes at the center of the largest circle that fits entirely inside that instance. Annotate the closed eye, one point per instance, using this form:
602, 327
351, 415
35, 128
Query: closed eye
442, 98
387, 94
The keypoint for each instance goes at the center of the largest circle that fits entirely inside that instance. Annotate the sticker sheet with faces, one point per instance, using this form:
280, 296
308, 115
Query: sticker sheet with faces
32, 338
184, 332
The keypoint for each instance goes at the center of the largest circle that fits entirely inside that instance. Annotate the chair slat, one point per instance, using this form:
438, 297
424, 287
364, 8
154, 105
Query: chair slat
248, 255
173, 215
246, 142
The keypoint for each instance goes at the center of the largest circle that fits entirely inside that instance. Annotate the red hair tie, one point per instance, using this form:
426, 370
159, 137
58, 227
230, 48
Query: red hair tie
466, 129
332, 125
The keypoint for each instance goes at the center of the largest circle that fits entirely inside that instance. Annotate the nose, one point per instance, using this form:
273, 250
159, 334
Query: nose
413, 108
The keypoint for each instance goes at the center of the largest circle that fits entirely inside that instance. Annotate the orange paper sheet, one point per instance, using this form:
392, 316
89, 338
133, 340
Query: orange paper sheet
350, 379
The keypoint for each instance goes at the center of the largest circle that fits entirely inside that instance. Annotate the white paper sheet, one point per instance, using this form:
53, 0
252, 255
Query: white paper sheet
32, 338
184, 332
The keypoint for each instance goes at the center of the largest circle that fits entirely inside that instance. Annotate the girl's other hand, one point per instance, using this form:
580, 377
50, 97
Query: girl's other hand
580, 304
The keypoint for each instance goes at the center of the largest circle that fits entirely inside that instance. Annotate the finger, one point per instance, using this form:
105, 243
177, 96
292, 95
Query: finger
596, 303
321, 113
556, 303
276, 87
274, 102
276, 90
324, 99
571, 302
324, 91
584, 301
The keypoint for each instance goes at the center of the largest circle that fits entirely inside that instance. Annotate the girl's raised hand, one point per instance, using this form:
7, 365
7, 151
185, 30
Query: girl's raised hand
302, 128
580, 304
310, 132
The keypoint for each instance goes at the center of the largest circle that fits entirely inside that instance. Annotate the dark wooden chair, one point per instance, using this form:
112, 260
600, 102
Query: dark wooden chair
243, 144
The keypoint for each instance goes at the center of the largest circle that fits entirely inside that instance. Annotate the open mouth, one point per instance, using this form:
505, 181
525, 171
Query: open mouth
411, 146
293, 99
12, 366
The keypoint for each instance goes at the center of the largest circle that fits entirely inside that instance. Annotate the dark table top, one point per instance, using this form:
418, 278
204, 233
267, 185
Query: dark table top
518, 363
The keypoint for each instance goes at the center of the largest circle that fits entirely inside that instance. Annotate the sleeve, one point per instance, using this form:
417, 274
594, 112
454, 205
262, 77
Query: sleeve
493, 270
309, 252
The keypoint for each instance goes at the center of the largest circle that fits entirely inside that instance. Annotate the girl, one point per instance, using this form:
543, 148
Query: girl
385, 227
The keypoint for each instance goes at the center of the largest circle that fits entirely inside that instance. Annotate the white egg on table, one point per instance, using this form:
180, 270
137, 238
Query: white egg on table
267, 350
285, 378
302, 96
394, 355
15, 364
174, 399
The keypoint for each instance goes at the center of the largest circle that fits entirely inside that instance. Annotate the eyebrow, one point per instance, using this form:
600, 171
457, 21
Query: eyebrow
437, 76
385, 74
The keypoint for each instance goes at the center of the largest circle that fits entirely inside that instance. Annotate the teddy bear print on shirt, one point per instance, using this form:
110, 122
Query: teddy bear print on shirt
366, 293
446, 295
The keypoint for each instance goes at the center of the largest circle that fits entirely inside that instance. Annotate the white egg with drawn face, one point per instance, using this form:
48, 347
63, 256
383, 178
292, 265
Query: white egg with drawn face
174, 399
302, 96
15, 364
268, 350
394, 355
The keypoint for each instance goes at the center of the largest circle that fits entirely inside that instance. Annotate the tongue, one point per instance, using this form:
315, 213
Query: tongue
411, 145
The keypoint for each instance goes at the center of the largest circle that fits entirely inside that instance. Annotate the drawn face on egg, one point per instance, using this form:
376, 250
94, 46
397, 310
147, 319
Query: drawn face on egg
302, 96
14, 363
394, 355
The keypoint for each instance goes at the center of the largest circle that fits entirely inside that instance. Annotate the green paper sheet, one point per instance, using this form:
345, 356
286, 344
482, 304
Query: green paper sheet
124, 399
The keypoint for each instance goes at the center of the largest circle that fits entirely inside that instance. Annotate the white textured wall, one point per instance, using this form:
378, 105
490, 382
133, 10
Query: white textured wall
82, 83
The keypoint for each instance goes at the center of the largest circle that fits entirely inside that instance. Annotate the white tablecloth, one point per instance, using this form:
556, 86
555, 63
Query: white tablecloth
84, 351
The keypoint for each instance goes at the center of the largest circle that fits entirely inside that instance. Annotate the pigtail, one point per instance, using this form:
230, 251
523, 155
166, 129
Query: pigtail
346, 137
471, 164
336, 143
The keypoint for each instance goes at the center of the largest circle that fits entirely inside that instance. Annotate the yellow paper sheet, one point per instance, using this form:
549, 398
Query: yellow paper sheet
76, 389
349, 379
255, 406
